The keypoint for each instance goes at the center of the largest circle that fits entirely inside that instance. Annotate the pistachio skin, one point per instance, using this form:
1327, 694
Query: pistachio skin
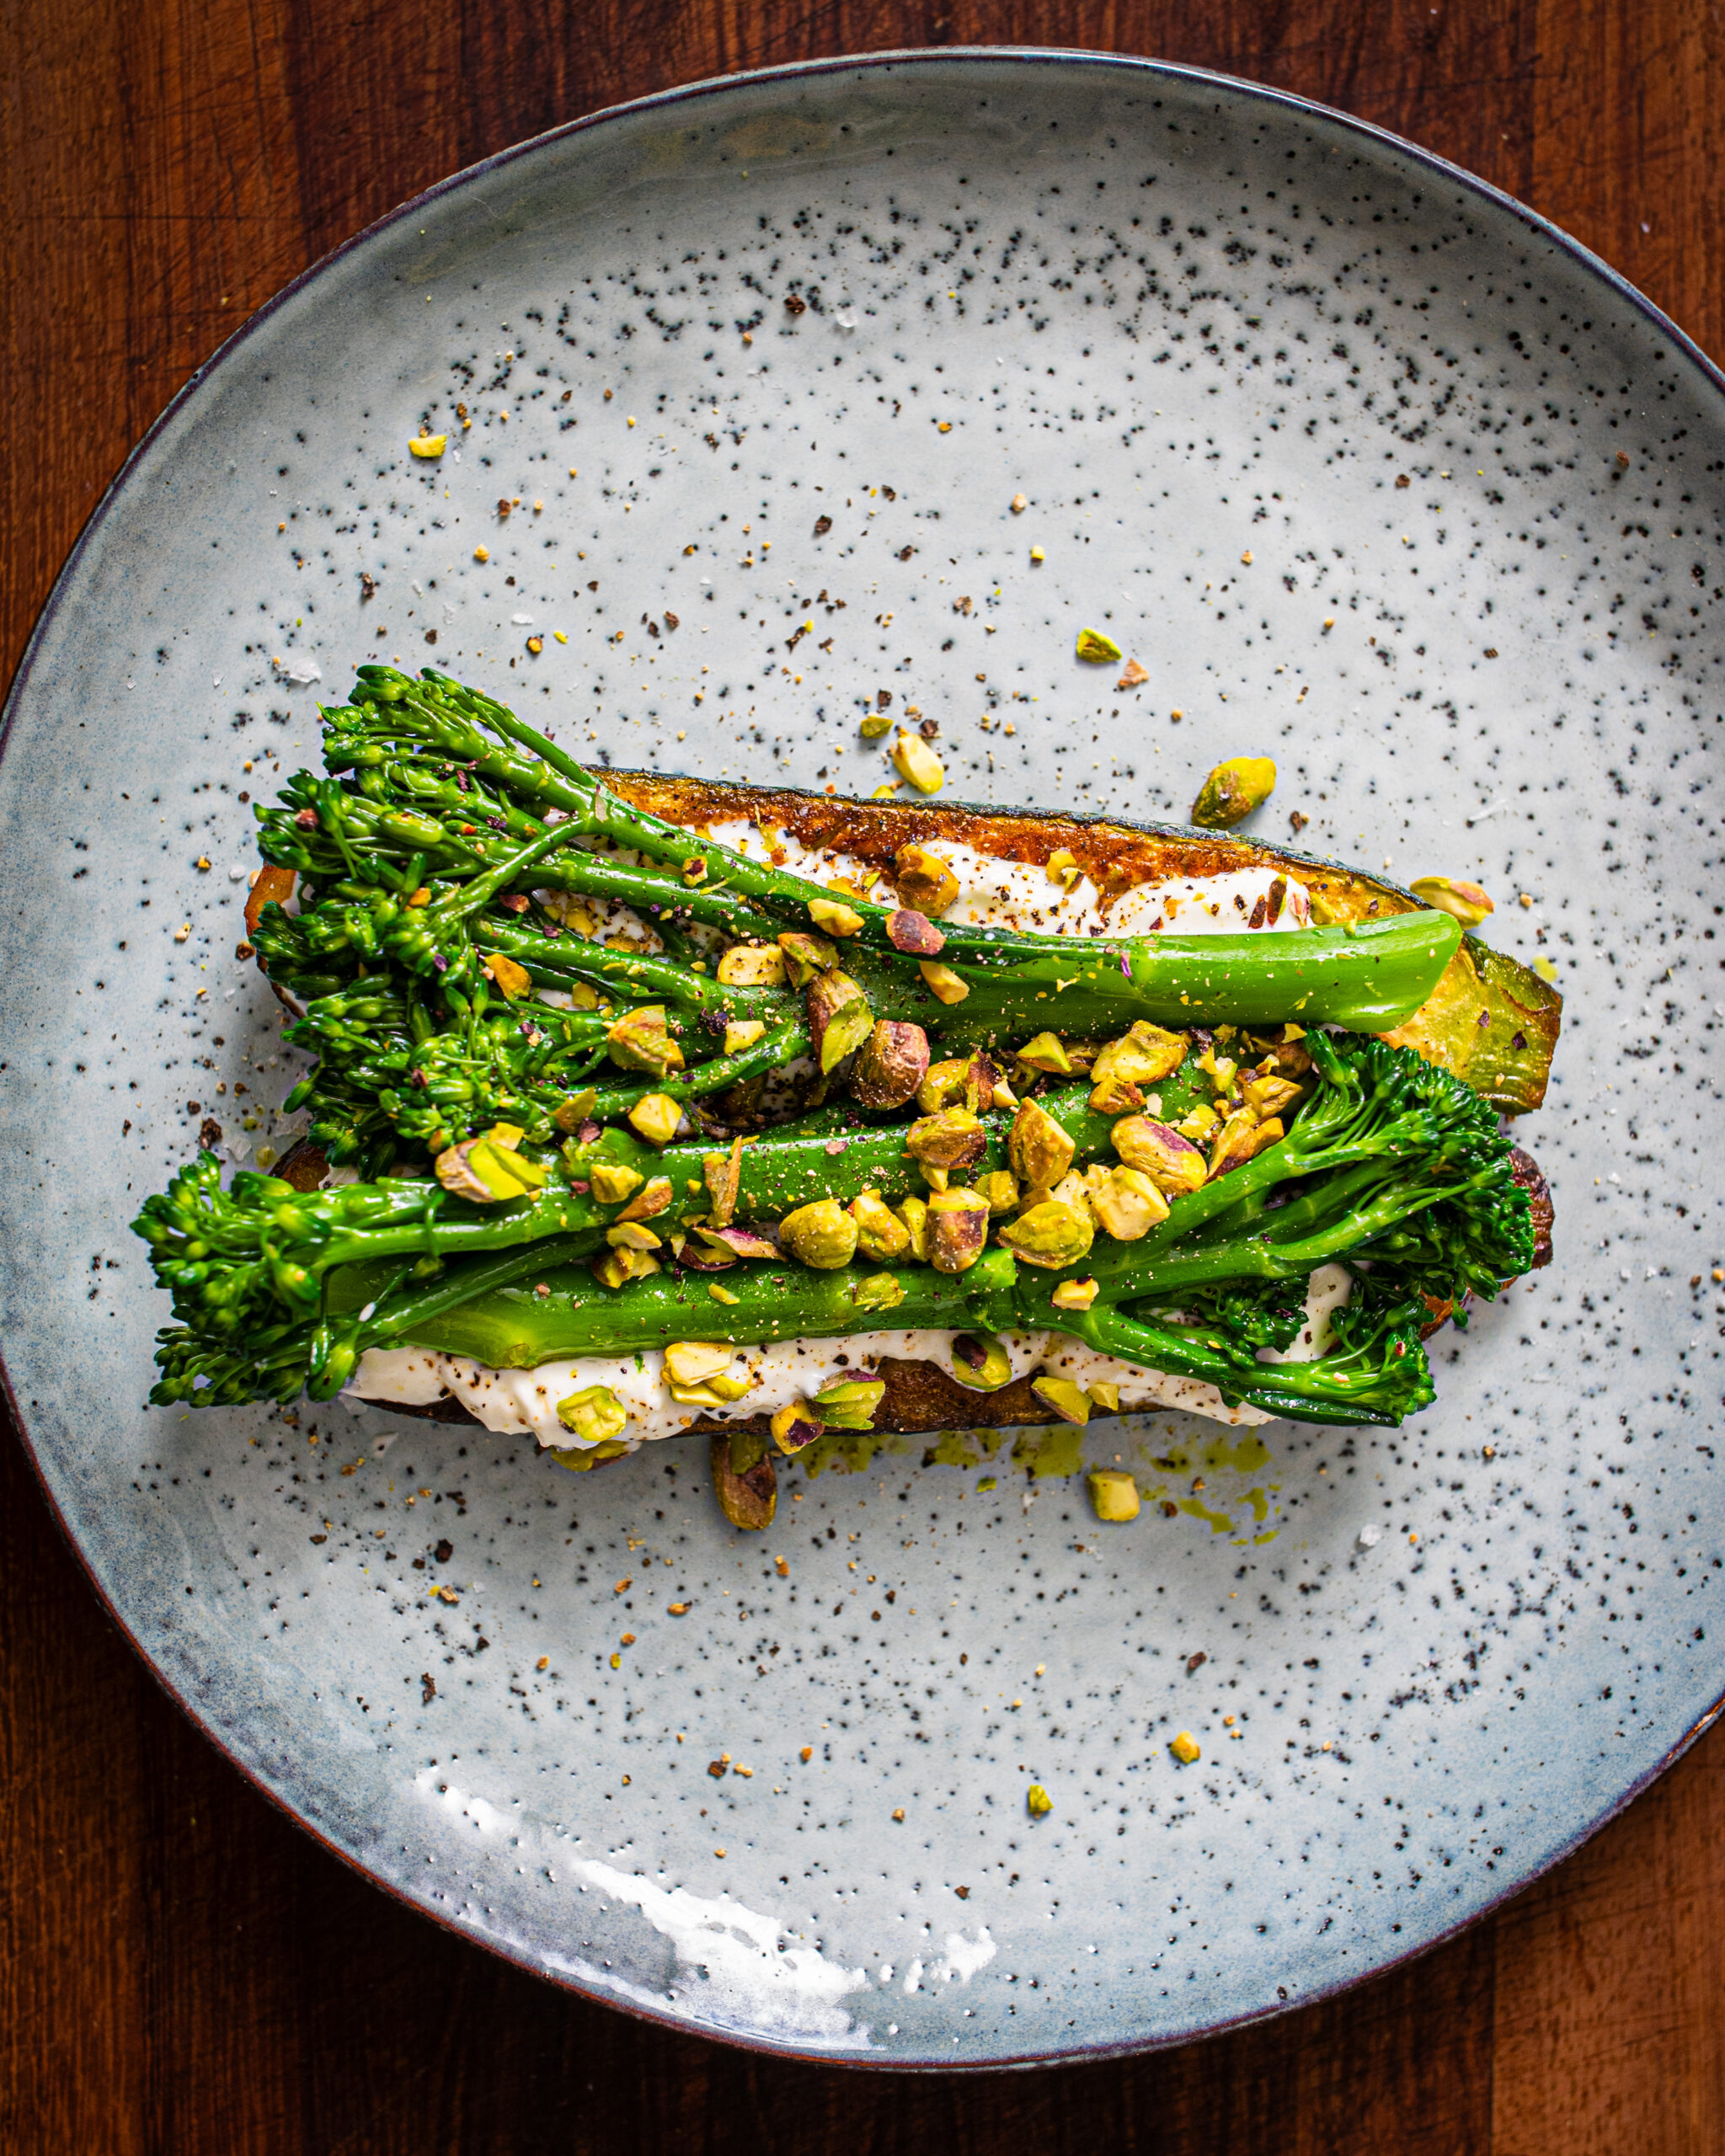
958, 1229
890, 1066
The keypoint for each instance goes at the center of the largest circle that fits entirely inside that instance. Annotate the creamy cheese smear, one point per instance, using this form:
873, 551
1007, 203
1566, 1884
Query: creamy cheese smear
992, 892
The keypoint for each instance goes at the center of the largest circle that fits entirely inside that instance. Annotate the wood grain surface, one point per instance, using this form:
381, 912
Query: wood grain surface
181, 1970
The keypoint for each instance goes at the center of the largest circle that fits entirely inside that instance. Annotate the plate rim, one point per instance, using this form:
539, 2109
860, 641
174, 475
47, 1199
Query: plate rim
1236, 89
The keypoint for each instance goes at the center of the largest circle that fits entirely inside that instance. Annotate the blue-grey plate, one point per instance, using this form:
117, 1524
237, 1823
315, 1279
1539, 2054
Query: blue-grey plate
1375, 473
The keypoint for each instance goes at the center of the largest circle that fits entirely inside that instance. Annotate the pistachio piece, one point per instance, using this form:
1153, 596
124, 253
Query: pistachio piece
880, 1233
1139, 1058
752, 965
999, 1189
805, 956
612, 1182
1185, 1748
875, 726
849, 1403
1104, 1395
925, 881
1232, 791
569, 1115
914, 1213
949, 986
723, 1174
693, 1362
513, 980
657, 1117
646, 1204
878, 1291
1065, 868
1269, 1094
949, 1139
1070, 1401
1040, 1151
631, 1234
615, 1268
1173, 1163
980, 1363
742, 1033
915, 761
986, 1086
909, 931
456, 1175
889, 1064
833, 916
1114, 1493
738, 1242
1074, 1295
1241, 1137
796, 1425
594, 1414
748, 1499
840, 1019
943, 1085
823, 1234
641, 1040
1046, 1052
1127, 1204
1466, 902
1132, 675
1052, 1233
1037, 1801
488, 1170
1097, 649
958, 1229
1198, 1124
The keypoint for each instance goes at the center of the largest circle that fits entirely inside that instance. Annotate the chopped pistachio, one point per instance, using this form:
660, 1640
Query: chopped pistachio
1173, 1163
427, 445
1104, 1395
796, 1425
875, 726
611, 1183
915, 760
640, 1040
949, 1139
515, 980
1232, 791
615, 1268
1000, 1189
943, 1085
693, 1362
980, 1363
1198, 1124
849, 1403
594, 1414
1074, 1295
1139, 1058
738, 1242
747, 1490
722, 1172
958, 1229
805, 956
1052, 1233
631, 1234
1127, 1204
913, 933
752, 965
454, 1173
742, 1033
926, 880
914, 1213
1466, 902
721, 1295
840, 1019
822, 1235
890, 1065
878, 1291
649, 1204
1185, 1749
835, 917
1039, 1149
1270, 1094
1037, 1801
1114, 1493
1068, 1401
1241, 1137
1098, 649
657, 1117
880, 1233
949, 986
1065, 868
1046, 1052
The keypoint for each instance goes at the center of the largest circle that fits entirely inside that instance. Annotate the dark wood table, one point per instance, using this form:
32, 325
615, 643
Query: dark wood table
181, 1970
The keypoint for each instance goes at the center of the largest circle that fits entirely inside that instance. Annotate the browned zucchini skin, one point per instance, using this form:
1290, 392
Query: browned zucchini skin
1491, 1020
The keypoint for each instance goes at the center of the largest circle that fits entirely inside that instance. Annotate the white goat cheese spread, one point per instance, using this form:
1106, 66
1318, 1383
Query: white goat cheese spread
992, 892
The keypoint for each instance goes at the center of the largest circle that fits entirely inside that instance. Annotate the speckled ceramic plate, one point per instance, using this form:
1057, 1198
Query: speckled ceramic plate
1375, 473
